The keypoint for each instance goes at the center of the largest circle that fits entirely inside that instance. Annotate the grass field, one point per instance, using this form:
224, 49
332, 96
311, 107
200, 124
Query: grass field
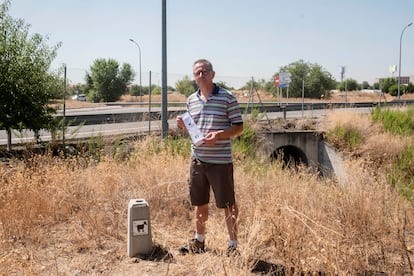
69, 216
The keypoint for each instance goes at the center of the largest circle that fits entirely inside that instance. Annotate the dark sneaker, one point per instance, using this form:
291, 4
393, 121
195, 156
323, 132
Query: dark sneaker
231, 250
194, 246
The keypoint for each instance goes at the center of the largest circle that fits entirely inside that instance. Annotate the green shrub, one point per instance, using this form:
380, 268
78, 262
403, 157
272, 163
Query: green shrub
178, 146
245, 144
395, 121
401, 174
346, 137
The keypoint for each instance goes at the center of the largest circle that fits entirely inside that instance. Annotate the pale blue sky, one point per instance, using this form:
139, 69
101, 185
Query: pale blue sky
243, 39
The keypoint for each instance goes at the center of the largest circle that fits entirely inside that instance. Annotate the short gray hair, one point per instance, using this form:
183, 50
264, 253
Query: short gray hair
204, 61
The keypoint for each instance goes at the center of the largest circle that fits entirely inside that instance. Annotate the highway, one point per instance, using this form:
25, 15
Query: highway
112, 128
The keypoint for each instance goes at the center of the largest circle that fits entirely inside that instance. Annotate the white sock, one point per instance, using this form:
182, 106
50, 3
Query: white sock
199, 237
233, 243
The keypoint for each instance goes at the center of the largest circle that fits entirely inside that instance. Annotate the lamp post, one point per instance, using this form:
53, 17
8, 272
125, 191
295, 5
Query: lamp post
140, 83
164, 102
399, 66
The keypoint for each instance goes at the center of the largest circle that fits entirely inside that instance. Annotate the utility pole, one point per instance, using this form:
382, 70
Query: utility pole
164, 115
342, 81
64, 107
399, 65
140, 74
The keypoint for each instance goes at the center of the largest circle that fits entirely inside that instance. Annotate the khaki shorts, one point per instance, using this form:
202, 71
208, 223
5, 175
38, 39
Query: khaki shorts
217, 176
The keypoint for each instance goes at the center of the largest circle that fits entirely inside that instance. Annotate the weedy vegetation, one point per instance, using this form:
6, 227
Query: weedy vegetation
68, 215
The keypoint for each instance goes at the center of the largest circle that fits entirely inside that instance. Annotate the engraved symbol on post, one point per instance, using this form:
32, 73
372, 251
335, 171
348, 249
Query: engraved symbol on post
140, 227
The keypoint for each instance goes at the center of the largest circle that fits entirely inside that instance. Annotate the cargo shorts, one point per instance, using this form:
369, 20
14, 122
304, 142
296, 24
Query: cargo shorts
217, 176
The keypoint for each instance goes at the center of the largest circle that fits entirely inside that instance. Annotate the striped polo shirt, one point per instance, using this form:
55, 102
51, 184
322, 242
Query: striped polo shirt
219, 112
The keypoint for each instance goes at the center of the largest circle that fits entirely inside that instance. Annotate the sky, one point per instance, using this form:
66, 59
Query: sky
244, 39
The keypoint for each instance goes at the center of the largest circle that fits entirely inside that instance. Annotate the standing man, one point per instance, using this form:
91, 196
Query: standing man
217, 114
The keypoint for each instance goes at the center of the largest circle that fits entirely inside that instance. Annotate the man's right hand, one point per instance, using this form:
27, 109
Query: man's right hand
180, 122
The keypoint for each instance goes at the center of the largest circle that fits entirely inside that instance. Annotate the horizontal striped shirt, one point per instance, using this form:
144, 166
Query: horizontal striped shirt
219, 112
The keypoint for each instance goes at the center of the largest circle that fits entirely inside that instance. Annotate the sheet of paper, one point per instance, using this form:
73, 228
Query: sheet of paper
195, 133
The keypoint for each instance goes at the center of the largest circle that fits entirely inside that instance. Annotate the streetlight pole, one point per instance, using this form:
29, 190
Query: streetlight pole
140, 79
399, 66
164, 107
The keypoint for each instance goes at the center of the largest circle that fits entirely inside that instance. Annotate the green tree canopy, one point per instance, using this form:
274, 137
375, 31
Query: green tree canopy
107, 81
393, 89
224, 85
365, 85
348, 85
26, 85
185, 86
260, 85
134, 90
387, 83
317, 81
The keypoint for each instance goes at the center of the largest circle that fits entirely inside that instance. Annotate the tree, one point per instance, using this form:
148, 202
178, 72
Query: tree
259, 85
349, 85
387, 83
224, 85
185, 86
410, 88
107, 81
26, 86
317, 80
156, 90
393, 89
365, 85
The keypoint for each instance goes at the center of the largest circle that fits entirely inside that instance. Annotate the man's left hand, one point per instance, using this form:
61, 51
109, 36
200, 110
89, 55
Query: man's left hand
212, 137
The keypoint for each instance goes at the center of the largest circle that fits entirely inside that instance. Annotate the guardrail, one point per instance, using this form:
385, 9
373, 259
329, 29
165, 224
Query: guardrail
114, 117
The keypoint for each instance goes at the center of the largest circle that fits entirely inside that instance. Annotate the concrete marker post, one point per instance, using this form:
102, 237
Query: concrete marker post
139, 228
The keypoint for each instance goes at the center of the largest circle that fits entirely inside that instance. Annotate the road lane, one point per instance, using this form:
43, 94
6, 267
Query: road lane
132, 128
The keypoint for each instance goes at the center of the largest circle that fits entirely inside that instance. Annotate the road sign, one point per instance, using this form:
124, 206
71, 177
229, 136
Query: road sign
277, 80
284, 77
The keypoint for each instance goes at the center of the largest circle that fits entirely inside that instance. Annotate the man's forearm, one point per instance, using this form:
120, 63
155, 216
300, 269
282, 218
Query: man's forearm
230, 132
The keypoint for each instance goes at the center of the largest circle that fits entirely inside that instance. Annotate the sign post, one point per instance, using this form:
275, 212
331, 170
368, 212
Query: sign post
284, 81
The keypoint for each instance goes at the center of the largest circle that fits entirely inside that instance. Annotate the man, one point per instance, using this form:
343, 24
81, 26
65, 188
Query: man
217, 114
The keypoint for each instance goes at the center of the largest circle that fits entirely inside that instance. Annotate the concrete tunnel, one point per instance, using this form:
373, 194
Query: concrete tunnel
292, 156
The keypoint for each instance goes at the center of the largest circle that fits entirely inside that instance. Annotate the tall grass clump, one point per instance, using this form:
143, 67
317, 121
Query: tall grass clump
401, 174
346, 136
400, 122
346, 130
245, 145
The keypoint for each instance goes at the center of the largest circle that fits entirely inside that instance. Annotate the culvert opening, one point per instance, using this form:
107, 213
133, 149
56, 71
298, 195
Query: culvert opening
291, 156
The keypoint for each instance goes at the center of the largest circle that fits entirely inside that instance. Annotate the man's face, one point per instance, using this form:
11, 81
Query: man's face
202, 73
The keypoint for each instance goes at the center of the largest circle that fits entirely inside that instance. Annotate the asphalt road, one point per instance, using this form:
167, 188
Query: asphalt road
131, 128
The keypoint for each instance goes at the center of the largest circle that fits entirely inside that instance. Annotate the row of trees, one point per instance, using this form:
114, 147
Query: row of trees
107, 82
390, 85
315, 80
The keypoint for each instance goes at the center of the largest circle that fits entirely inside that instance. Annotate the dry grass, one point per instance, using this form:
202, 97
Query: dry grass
378, 147
69, 217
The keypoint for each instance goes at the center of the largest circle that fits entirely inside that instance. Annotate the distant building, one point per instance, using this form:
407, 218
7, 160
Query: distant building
405, 80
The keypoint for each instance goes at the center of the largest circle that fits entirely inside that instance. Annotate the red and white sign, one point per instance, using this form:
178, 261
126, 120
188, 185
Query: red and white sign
282, 79
277, 80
